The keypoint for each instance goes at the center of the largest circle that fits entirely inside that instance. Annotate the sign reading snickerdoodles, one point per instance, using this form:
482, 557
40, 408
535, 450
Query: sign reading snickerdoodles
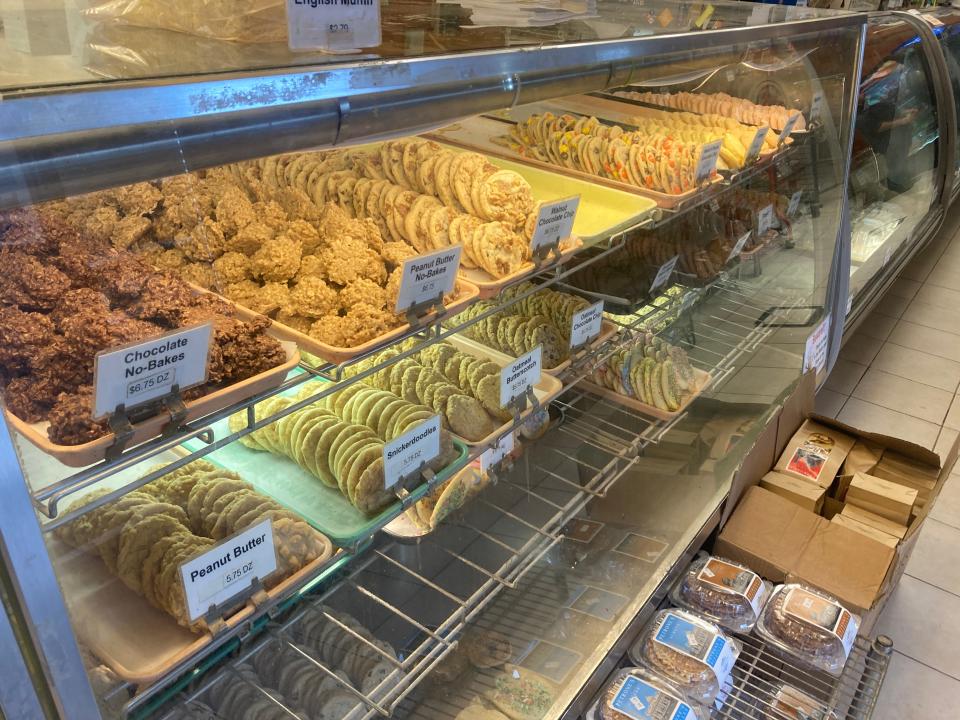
403, 455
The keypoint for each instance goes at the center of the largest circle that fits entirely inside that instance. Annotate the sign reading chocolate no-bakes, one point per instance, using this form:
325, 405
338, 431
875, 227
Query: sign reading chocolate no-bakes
136, 374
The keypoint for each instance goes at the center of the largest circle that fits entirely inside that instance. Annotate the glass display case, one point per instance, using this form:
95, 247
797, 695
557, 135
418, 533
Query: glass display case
397, 381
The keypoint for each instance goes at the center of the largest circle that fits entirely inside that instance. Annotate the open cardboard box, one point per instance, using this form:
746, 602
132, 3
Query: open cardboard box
784, 542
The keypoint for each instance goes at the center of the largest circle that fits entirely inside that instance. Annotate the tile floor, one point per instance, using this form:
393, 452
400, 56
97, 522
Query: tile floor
900, 375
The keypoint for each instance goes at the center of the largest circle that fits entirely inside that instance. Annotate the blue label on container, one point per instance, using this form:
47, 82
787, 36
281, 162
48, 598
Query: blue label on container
715, 651
700, 643
640, 701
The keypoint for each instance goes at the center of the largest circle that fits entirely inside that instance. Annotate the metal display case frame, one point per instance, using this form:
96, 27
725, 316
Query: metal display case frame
64, 141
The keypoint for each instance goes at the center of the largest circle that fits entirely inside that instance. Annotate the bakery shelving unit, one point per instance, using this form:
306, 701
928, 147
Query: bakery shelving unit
500, 560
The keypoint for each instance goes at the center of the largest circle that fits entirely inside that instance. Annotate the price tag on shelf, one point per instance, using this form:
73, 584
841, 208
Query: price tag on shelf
756, 145
815, 350
585, 325
404, 455
765, 220
816, 106
788, 127
715, 205
228, 569
136, 374
493, 456
738, 248
794, 203
426, 277
664, 273
759, 15
520, 375
554, 222
689, 299
333, 24
707, 163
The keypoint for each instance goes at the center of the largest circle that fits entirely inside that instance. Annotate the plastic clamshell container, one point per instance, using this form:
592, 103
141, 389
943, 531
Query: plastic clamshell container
693, 653
810, 626
730, 594
638, 694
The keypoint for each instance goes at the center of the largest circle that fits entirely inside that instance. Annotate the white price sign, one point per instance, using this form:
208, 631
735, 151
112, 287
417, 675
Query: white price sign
756, 145
765, 220
585, 325
816, 106
759, 15
228, 569
849, 304
664, 273
520, 375
135, 374
494, 455
788, 127
333, 24
815, 350
738, 248
404, 455
426, 277
794, 203
707, 164
554, 222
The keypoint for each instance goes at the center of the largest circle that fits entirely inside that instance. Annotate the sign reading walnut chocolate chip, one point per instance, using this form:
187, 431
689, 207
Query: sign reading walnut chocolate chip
756, 145
520, 375
405, 454
554, 222
227, 570
585, 325
333, 24
136, 374
426, 277
494, 455
707, 164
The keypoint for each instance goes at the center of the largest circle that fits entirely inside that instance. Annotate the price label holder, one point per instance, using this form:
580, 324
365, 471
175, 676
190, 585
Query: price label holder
424, 280
794, 203
142, 375
787, 128
707, 162
337, 25
765, 220
816, 106
554, 223
406, 457
517, 380
664, 273
585, 326
493, 457
738, 247
229, 574
756, 145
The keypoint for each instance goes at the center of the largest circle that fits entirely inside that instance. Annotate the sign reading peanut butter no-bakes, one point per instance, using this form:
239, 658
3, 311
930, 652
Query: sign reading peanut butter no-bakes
136, 374
333, 24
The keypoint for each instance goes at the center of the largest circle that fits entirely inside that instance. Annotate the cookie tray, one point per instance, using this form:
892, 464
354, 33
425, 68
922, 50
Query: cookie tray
649, 410
489, 288
478, 134
94, 451
136, 640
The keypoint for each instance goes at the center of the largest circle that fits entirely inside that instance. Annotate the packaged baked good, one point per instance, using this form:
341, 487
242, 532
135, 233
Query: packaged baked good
730, 594
690, 651
638, 694
809, 625
796, 705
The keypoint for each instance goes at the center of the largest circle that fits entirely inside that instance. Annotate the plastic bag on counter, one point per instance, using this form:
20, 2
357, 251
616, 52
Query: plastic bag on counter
254, 21
689, 650
730, 594
809, 625
636, 693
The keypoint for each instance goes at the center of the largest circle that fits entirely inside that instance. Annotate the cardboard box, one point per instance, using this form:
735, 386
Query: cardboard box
781, 425
867, 530
816, 453
804, 493
863, 457
882, 497
876, 521
831, 507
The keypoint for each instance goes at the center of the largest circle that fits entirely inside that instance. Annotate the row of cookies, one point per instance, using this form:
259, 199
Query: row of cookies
740, 109
145, 536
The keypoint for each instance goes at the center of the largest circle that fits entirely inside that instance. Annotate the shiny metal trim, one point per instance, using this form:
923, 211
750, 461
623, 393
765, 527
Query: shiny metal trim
62, 141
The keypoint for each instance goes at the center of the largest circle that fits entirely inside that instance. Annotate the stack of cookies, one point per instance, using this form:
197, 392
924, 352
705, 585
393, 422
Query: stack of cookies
145, 536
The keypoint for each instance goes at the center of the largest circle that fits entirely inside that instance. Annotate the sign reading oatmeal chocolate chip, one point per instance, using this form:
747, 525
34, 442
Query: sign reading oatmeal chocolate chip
585, 325
333, 24
228, 569
136, 374
554, 222
425, 277
520, 375
405, 454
